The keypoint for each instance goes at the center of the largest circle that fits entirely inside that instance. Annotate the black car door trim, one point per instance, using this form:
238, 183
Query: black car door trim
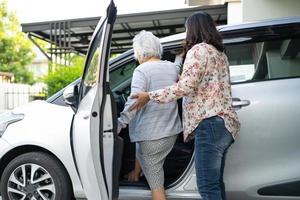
111, 14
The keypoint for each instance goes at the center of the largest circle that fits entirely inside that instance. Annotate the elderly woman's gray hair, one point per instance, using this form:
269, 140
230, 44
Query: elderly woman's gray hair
146, 45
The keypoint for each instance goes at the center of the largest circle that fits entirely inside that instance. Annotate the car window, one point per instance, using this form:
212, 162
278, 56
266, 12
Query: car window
125, 72
122, 74
89, 78
264, 60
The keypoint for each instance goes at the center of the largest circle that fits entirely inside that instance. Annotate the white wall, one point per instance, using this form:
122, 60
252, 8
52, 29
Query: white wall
234, 13
254, 10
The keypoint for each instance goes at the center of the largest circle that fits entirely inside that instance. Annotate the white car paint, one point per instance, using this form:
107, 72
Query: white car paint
47, 126
4, 147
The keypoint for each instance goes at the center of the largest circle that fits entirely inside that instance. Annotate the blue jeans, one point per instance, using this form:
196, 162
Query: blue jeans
212, 140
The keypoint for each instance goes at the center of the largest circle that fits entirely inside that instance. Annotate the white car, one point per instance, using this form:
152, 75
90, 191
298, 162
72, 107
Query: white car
67, 147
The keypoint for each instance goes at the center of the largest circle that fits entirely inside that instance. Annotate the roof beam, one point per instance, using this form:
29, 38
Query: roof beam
164, 23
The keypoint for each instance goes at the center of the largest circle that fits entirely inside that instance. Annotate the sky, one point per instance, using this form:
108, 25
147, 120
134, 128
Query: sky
40, 10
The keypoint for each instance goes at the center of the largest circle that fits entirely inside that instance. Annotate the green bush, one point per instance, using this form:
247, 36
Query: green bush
63, 75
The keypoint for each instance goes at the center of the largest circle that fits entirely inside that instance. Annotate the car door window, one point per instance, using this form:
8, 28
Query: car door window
89, 78
120, 75
264, 60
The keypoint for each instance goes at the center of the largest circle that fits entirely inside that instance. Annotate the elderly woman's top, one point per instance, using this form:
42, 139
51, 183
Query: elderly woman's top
154, 121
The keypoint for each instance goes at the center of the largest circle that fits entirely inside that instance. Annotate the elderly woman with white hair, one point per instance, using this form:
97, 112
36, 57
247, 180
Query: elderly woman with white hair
155, 127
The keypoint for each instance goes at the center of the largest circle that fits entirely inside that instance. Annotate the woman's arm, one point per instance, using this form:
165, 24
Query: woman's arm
138, 84
193, 71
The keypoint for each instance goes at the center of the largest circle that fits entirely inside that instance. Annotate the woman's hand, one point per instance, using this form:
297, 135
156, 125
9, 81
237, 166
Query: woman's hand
142, 99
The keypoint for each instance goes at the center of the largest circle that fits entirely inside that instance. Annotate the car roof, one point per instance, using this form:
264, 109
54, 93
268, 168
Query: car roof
223, 29
242, 26
261, 23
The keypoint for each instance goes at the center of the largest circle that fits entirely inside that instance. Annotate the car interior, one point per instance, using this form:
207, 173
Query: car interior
180, 157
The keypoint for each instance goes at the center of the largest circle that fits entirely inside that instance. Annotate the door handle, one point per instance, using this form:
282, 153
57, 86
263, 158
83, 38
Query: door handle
237, 102
86, 116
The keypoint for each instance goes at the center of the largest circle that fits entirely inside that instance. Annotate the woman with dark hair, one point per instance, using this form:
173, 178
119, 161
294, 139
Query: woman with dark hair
208, 114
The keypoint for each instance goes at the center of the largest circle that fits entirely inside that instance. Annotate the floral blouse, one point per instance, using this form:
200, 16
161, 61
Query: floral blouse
205, 87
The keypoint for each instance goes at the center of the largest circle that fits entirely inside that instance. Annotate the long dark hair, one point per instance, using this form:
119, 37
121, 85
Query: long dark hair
200, 27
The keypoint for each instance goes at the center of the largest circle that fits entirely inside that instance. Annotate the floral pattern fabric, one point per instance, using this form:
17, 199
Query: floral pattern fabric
205, 87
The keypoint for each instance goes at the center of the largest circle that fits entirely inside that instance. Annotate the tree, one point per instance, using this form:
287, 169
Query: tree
63, 75
15, 49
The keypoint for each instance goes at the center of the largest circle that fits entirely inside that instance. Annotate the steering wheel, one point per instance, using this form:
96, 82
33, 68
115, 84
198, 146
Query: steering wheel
124, 94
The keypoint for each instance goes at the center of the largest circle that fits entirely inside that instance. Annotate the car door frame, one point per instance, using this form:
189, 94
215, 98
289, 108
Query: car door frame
100, 103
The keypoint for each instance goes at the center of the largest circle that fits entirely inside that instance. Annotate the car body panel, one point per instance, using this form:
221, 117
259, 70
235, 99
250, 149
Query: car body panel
4, 147
267, 150
84, 156
52, 132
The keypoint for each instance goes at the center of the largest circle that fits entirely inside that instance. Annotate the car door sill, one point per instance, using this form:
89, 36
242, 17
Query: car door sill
136, 193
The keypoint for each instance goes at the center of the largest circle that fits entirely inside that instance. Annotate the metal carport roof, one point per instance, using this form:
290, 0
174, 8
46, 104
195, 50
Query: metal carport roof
73, 35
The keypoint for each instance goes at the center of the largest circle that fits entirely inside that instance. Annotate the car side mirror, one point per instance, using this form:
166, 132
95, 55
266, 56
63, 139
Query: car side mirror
71, 95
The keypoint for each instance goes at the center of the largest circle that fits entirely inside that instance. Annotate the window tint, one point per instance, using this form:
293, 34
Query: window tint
90, 74
264, 60
121, 74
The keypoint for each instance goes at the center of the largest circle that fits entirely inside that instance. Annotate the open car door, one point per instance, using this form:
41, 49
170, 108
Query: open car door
94, 137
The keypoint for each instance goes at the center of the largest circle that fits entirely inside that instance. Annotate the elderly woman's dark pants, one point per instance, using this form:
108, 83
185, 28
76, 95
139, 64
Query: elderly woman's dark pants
212, 140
